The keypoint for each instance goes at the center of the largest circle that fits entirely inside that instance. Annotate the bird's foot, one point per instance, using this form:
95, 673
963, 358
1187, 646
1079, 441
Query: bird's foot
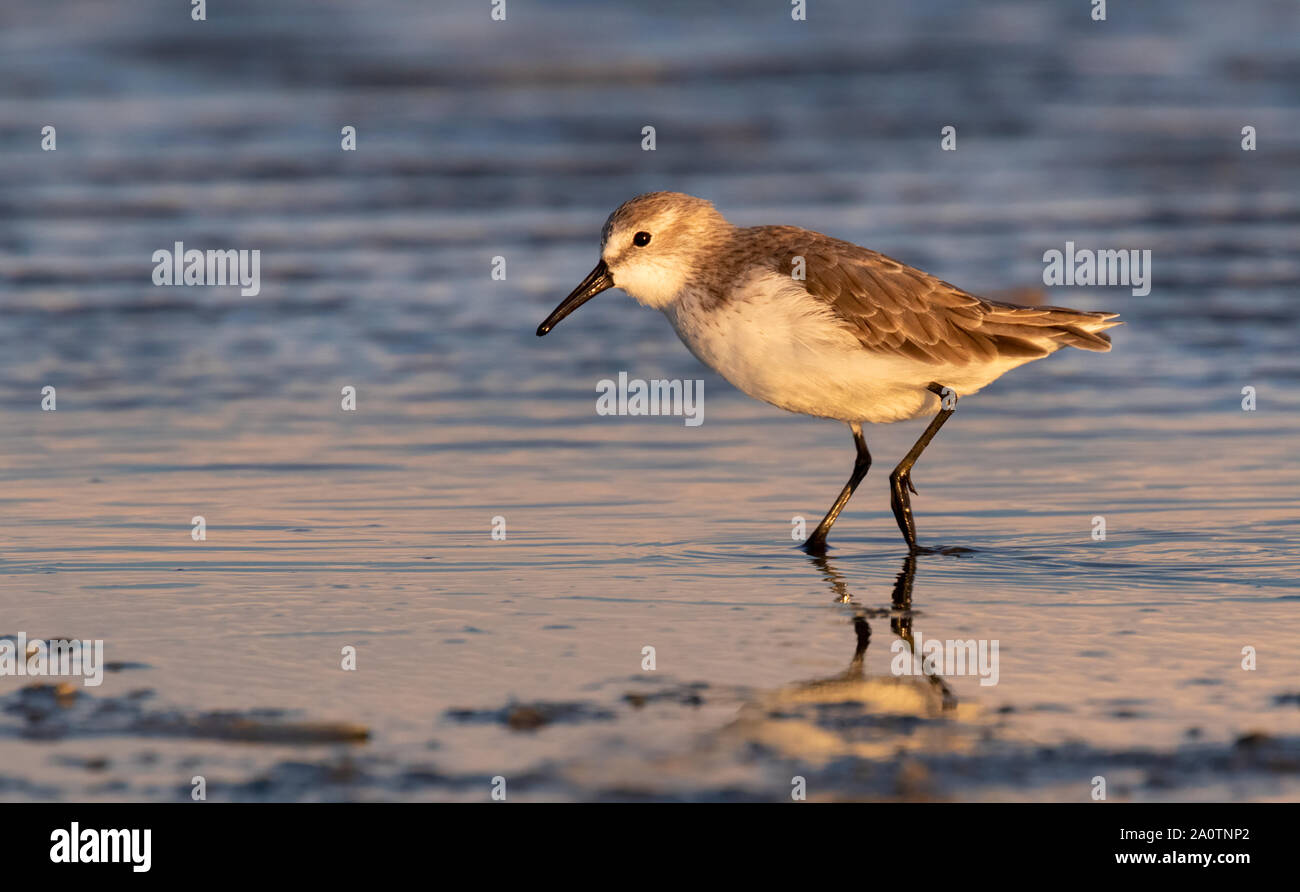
815, 545
942, 549
899, 485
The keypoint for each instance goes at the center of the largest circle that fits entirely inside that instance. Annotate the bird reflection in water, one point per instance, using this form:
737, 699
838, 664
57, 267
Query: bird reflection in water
900, 622
865, 729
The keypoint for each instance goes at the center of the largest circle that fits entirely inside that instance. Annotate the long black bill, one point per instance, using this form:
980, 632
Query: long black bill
597, 281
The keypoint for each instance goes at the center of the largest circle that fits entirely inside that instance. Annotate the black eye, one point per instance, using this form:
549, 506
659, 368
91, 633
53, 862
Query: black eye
641, 239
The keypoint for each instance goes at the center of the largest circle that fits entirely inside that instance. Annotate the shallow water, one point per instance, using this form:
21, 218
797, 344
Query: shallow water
523, 658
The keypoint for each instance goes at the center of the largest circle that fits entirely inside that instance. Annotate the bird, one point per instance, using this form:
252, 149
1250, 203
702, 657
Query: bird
822, 327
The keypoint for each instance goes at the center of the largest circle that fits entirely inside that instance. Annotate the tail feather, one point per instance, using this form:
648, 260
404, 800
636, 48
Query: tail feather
1060, 325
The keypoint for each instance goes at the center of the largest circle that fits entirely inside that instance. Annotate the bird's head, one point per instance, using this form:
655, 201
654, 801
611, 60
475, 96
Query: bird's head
650, 247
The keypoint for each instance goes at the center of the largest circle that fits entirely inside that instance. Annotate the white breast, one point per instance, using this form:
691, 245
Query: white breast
778, 344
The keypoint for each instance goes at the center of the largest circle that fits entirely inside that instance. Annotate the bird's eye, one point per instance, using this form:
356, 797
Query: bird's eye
641, 239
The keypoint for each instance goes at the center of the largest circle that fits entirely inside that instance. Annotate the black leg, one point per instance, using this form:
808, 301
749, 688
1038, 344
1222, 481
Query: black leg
900, 481
901, 600
861, 628
816, 543
901, 624
832, 576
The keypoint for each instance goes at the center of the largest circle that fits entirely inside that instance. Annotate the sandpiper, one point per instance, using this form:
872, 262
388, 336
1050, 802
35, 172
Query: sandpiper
819, 326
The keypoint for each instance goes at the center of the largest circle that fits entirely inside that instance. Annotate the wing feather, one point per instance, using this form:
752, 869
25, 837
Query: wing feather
893, 308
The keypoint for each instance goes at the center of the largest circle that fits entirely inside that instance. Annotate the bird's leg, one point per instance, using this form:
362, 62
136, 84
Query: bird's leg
900, 481
863, 631
816, 543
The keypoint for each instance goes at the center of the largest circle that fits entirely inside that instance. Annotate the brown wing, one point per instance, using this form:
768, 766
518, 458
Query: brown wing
893, 308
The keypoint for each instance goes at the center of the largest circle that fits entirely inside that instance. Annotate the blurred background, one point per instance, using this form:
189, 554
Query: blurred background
523, 658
